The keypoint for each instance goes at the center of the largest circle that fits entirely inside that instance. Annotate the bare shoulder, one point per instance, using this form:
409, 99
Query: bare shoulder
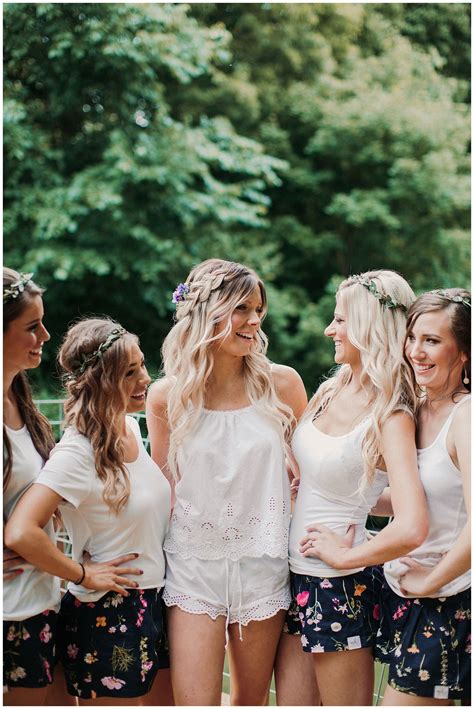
285, 377
157, 397
290, 388
401, 421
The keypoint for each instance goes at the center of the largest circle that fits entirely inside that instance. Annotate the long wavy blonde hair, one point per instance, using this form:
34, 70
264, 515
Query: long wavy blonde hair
378, 332
216, 288
97, 401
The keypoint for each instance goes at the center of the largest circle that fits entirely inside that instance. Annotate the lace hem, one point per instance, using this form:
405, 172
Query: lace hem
205, 540
260, 611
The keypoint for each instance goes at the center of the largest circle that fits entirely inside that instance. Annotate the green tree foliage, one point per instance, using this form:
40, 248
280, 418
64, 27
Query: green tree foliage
307, 140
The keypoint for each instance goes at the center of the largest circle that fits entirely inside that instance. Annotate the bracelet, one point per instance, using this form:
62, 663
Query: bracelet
78, 583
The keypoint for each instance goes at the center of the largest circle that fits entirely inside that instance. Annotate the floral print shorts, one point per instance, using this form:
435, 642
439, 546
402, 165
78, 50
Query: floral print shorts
335, 614
28, 650
112, 647
427, 644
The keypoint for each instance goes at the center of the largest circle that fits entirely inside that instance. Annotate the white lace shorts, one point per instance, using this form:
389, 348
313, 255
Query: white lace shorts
251, 588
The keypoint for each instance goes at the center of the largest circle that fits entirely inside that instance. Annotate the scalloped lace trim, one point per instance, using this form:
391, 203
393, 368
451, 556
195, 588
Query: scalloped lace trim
260, 611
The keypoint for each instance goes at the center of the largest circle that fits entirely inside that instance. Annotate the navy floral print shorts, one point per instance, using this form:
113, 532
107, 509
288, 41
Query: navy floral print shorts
29, 650
112, 647
335, 614
427, 644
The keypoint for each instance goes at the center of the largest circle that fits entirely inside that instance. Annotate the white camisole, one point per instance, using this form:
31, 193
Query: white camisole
233, 498
442, 483
332, 473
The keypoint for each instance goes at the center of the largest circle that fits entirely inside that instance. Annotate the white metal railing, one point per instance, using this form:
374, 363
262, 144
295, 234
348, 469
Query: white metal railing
53, 409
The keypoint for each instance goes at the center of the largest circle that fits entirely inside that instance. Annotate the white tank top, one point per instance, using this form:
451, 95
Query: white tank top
33, 591
233, 498
332, 471
442, 483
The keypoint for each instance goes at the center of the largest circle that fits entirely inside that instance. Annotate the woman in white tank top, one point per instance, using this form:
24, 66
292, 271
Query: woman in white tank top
425, 628
219, 422
31, 596
356, 434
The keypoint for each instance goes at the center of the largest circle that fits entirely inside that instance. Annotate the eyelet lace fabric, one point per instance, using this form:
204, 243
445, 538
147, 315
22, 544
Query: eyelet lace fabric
233, 497
261, 610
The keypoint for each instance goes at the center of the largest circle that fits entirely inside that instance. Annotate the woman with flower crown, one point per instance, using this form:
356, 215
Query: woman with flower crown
115, 504
219, 424
356, 435
31, 596
426, 597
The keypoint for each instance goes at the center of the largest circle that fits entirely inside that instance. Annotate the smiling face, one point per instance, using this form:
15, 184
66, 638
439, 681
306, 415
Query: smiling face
244, 324
136, 380
344, 351
433, 352
24, 338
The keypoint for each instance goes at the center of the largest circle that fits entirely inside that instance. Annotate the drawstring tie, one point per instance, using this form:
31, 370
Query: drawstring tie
227, 606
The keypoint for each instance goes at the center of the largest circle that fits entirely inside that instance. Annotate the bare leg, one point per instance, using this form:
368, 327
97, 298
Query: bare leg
295, 681
196, 656
57, 694
345, 678
251, 660
111, 702
394, 698
24, 696
161, 692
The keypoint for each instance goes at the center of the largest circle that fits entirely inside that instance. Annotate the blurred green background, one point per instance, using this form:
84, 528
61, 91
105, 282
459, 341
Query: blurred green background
309, 141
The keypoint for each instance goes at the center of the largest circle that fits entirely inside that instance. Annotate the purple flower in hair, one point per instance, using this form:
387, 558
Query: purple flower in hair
180, 293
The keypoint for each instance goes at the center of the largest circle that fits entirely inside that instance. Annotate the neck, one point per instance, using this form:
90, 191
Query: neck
226, 371
437, 398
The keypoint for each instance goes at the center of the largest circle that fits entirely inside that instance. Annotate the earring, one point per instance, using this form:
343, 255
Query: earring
466, 378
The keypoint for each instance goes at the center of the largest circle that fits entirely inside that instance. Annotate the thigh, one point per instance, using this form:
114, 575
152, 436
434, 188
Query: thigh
22, 696
295, 680
392, 697
197, 646
345, 678
161, 693
251, 659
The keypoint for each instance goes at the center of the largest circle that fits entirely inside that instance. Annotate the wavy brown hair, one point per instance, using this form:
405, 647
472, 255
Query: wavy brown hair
38, 425
96, 400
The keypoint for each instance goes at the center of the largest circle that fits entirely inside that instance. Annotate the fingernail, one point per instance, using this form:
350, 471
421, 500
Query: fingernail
20, 571
141, 571
136, 556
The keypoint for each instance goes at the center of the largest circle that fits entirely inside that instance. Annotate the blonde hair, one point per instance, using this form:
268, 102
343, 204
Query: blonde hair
216, 287
378, 332
96, 400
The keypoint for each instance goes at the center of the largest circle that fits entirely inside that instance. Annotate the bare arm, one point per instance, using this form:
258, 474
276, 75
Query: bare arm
158, 429
422, 581
410, 525
383, 508
290, 390
24, 534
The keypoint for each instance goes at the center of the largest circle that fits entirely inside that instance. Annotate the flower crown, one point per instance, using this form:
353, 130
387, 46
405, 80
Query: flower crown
180, 293
88, 360
385, 300
14, 289
453, 298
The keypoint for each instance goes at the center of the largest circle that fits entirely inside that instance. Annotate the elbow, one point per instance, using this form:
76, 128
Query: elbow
415, 535
14, 537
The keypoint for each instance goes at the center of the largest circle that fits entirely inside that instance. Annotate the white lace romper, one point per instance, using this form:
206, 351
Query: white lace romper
227, 544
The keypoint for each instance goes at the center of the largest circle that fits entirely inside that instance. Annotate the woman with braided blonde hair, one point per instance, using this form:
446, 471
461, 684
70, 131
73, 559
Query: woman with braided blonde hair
219, 424
356, 435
